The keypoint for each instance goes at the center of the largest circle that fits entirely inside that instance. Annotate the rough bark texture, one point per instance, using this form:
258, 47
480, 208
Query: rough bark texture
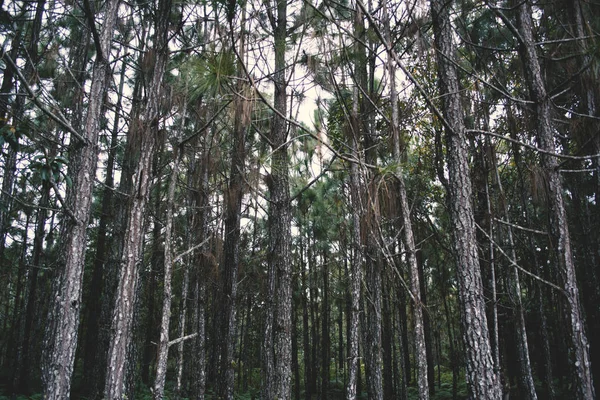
93, 361
61, 340
356, 266
409, 244
125, 300
483, 382
527, 387
415, 285
200, 224
231, 261
278, 386
163, 344
558, 218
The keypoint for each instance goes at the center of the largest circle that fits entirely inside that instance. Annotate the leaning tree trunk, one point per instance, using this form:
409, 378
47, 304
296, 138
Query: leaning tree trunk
558, 217
61, 340
483, 381
146, 132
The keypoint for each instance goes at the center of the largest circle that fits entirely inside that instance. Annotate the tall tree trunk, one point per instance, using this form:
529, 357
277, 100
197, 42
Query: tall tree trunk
527, 387
199, 199
61, 339
145, 132
231, 247
10, 163
325, 338
558, 218
364, 78
278, 374
183, 308
483, 381
408, 236
356, 266
163, 344
546, 367
413, 268
23, 371
91, 358
387, 341
308, 365
295, 359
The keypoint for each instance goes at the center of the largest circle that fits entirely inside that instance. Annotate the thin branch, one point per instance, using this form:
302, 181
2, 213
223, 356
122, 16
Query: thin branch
65, 124
313, 181
191, 249
179, 340
62, 202
203, 128
517, 266
522, 228
532, 147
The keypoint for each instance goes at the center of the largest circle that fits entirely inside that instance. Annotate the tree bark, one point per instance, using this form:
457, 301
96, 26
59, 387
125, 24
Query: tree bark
483, 381
92, 360
527, 387
163, 344
231, 247
126, 296
61, 339
278, 375
557, 214
356, 266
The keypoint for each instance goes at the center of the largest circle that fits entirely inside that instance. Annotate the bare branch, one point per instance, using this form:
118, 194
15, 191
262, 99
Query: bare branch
532, 147
517, 266
522, 228
56, 118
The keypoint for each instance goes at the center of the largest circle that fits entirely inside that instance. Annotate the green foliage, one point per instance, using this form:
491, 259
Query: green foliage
206, 76
51, 168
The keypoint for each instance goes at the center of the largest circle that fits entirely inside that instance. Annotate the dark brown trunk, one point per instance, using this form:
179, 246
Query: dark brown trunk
387, 341
23, 371
308, 366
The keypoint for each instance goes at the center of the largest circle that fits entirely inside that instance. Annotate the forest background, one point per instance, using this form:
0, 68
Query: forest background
286, 199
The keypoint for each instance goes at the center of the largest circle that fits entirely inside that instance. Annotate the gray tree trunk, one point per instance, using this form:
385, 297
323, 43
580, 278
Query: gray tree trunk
356, 265
163, 344
483, 381
558, 217
278, 356
527, 387
61, 340
126, 296
233, 212
408, 237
